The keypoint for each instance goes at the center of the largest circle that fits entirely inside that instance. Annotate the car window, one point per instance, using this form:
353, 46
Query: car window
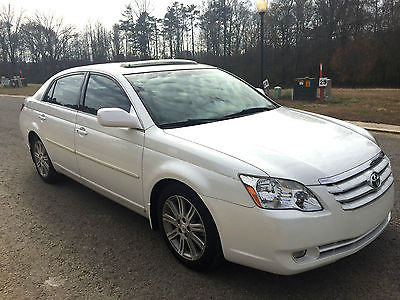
66, 91
49, 95
187, 97
103, 92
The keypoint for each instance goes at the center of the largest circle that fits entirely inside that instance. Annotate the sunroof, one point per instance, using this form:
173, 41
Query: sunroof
160, 62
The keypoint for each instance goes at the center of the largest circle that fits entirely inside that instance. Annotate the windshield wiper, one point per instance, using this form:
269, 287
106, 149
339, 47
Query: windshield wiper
188, 122
191, 122
247, 111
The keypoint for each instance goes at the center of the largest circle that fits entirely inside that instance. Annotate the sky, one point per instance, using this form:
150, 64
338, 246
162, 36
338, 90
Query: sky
80, 12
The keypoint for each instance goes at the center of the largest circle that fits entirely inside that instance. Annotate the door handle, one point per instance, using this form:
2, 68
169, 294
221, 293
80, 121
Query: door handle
42, 117
81, 131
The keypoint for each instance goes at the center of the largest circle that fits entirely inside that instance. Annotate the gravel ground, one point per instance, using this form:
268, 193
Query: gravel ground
65, 241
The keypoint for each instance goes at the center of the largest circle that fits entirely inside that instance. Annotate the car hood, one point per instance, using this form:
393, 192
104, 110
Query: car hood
285, 143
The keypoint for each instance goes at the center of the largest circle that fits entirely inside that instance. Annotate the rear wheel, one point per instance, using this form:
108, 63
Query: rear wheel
42, 161
188, 228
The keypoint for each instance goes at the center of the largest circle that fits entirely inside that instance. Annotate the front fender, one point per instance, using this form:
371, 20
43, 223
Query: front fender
158, 166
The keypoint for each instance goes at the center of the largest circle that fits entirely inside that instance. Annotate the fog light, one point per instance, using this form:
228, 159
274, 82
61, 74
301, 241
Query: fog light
299, 254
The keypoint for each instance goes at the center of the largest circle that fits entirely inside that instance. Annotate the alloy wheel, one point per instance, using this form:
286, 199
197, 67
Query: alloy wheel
41, 158
184, 227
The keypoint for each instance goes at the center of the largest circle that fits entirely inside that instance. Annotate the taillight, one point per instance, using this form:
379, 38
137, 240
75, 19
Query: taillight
22, 106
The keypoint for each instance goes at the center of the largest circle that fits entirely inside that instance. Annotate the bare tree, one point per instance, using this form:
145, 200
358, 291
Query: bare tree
141, 6
10, 29
99, 42
47, 38
357, 40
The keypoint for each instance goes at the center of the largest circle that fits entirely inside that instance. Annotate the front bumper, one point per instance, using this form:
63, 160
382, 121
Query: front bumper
266, 239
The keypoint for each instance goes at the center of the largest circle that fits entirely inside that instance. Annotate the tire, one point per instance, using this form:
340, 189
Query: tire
188, 228
42, 162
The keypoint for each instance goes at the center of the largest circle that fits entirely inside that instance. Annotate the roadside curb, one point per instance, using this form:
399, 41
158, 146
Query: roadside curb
13, 96
386, 128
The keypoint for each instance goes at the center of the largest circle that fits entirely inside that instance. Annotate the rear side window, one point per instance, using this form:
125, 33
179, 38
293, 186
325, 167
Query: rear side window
102, 92
49, 95
66, 91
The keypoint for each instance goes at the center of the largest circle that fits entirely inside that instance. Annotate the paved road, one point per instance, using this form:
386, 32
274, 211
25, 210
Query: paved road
65, 241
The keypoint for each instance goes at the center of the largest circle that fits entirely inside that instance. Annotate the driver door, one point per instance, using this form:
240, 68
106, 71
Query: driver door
109, 158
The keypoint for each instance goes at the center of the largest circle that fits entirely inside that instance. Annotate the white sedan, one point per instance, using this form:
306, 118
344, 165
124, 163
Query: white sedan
219, 168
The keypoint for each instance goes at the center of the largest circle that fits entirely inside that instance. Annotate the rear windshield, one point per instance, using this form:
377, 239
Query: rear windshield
189, 97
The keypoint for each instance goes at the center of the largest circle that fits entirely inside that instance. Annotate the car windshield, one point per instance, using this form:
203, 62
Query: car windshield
189, 97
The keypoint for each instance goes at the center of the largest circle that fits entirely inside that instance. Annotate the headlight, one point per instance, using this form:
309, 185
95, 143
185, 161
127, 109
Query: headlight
275, 193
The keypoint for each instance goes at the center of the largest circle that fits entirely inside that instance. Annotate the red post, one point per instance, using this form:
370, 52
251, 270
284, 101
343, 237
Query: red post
320, 76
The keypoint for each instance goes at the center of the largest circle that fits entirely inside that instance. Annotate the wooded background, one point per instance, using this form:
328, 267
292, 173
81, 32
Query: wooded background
358, 41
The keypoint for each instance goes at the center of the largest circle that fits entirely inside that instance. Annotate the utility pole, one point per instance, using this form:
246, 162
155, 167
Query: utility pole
262, 6
155, 25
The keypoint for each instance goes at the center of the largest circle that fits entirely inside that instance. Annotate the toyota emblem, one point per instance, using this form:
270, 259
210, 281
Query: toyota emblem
374, 180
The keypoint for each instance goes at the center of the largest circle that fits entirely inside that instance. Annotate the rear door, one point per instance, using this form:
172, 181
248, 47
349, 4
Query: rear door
57, 114
108, 157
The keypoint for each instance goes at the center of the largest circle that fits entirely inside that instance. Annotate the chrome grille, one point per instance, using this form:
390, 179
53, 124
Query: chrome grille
352, 189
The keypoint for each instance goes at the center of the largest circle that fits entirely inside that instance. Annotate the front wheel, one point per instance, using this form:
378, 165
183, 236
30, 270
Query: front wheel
188, 228
42, 162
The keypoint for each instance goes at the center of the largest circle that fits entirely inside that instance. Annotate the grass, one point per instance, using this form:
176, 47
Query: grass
366, 105
24, 91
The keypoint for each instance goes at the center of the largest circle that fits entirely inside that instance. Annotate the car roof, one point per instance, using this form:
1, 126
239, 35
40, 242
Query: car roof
145, 66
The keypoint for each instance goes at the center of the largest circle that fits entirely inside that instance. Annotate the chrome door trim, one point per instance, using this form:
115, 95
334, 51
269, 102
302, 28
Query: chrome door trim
61, 146
101, 189
108, 165
95, 160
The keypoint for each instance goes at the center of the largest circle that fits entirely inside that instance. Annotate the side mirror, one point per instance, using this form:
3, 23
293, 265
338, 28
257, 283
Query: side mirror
261, 91
116, 117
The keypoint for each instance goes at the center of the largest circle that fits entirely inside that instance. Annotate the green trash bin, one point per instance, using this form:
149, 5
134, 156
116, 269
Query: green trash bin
305, 88
277, 92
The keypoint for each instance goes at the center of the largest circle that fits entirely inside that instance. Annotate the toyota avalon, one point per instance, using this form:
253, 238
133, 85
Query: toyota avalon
221, 170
